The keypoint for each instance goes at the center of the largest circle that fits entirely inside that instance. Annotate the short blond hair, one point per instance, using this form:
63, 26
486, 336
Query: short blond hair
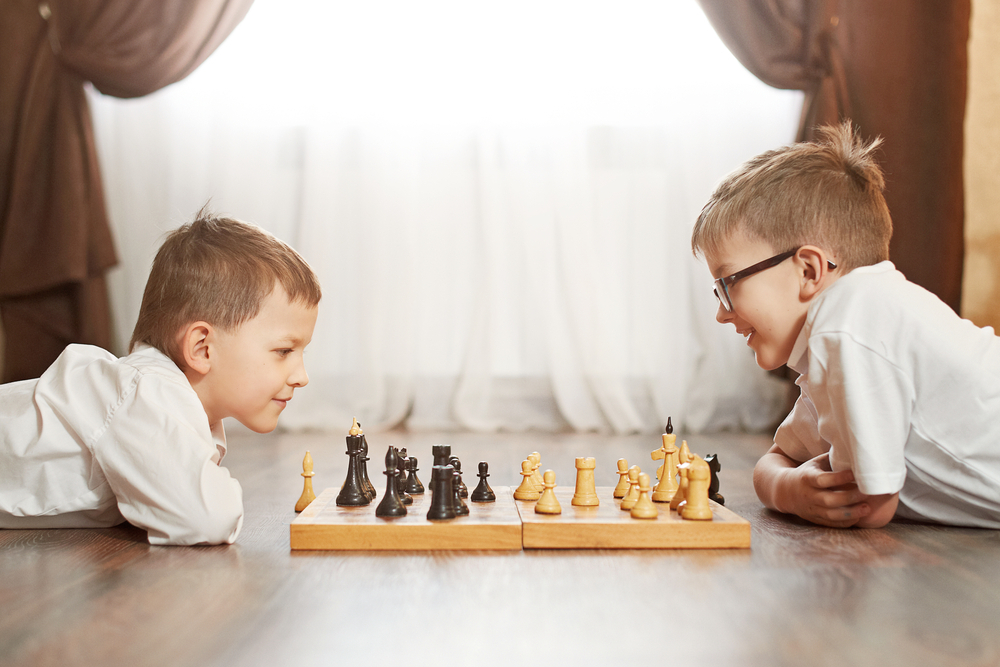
217, 270
826, 193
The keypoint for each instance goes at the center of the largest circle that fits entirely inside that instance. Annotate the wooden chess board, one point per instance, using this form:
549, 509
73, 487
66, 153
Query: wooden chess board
607, 526
323, 525
509, 524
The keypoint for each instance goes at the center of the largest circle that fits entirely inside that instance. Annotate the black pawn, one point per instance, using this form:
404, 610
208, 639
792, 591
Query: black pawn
353, 493
462, 488
483, 493
461, 509
391, 505
442, 498
713, 487
402, 463
413, 485
369, 487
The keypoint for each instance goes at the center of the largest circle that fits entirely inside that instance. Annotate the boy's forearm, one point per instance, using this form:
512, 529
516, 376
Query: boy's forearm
768, 476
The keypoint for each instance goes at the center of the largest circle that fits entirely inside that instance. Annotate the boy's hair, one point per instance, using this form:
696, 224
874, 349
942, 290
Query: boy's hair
826, 193
216, 270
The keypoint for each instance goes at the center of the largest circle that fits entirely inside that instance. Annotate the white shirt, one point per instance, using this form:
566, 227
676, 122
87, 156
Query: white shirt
97, 440
904, 393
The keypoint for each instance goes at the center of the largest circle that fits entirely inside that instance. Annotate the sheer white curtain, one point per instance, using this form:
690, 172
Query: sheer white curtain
497, 197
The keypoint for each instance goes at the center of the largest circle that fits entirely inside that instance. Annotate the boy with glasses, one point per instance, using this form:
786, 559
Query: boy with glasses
899, 410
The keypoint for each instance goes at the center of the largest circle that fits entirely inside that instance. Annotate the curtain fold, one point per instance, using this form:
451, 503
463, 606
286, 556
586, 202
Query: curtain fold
55, 241
897, 69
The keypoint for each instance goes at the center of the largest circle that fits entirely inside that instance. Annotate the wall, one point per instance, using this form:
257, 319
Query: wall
981, 286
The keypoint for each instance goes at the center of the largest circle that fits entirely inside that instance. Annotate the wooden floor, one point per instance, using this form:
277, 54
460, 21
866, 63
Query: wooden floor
802, 595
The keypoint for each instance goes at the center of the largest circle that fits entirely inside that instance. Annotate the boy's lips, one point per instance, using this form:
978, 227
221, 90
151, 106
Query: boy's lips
746, 333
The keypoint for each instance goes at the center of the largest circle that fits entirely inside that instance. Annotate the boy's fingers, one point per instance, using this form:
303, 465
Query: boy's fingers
842, 517
829, 480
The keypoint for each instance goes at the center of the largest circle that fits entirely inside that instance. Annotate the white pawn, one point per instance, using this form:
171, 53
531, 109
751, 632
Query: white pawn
644, 507
527, 490
547, 503
628, 502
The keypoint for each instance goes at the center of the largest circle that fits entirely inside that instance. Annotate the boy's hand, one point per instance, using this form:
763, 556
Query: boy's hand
825, 497
810, 490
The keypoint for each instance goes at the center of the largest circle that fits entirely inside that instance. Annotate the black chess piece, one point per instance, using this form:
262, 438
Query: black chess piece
463, 490
441, 455
713, 487
461, 509
413, 485
391, 505
366, 482
353, 493
442, 496
483, 493
402, 463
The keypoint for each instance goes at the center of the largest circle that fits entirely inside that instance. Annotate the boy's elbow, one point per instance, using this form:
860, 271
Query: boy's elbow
883, 508
218, 527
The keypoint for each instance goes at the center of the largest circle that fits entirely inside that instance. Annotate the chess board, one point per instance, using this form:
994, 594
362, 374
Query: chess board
607, 526
511, 525
323, 525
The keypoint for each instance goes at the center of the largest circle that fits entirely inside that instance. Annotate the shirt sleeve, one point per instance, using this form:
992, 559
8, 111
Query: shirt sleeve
864, 405
798, 436
160, 459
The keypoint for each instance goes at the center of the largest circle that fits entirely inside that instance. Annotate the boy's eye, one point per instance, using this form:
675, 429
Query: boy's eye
284, 352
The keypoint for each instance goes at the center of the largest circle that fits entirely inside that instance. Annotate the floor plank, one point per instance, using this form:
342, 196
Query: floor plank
903, 595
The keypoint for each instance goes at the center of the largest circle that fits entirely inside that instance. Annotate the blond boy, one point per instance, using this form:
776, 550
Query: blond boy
900, 398
227, 312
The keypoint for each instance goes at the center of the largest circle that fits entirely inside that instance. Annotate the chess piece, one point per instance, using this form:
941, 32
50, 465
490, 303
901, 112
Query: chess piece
547, 503
483, 493
363, 468
667, 487
307, 487
402, 463
630, 499
585, 495
699, 478
683, 457
536, 476
644, 507
461, 509
527, 490
391, 505
669, 438
413, 485
713, 488
442, 495
441, 455
457, 465
353, 493
623, 484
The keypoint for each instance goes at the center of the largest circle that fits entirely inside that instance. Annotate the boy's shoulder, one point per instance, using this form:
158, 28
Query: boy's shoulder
88, 380
876, 293
89, 360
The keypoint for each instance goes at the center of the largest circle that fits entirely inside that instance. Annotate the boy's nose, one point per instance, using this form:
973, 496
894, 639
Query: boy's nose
299, 378
722, 316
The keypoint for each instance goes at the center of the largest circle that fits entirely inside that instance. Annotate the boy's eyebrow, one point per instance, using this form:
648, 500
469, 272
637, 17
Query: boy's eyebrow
724, 270
289, 339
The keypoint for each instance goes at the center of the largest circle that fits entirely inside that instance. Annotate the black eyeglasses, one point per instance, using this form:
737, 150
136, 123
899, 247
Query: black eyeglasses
722, 284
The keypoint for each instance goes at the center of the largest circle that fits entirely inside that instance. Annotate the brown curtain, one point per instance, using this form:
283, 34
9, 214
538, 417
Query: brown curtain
55, 242
897, 69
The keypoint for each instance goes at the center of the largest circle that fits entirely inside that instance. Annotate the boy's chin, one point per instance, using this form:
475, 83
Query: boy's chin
768, 364
261, 428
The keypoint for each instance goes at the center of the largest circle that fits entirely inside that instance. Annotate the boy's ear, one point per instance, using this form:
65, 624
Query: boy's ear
813, 271
196, 347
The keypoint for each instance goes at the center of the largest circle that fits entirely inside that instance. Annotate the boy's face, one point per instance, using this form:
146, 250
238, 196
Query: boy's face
767, 308
255, 369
